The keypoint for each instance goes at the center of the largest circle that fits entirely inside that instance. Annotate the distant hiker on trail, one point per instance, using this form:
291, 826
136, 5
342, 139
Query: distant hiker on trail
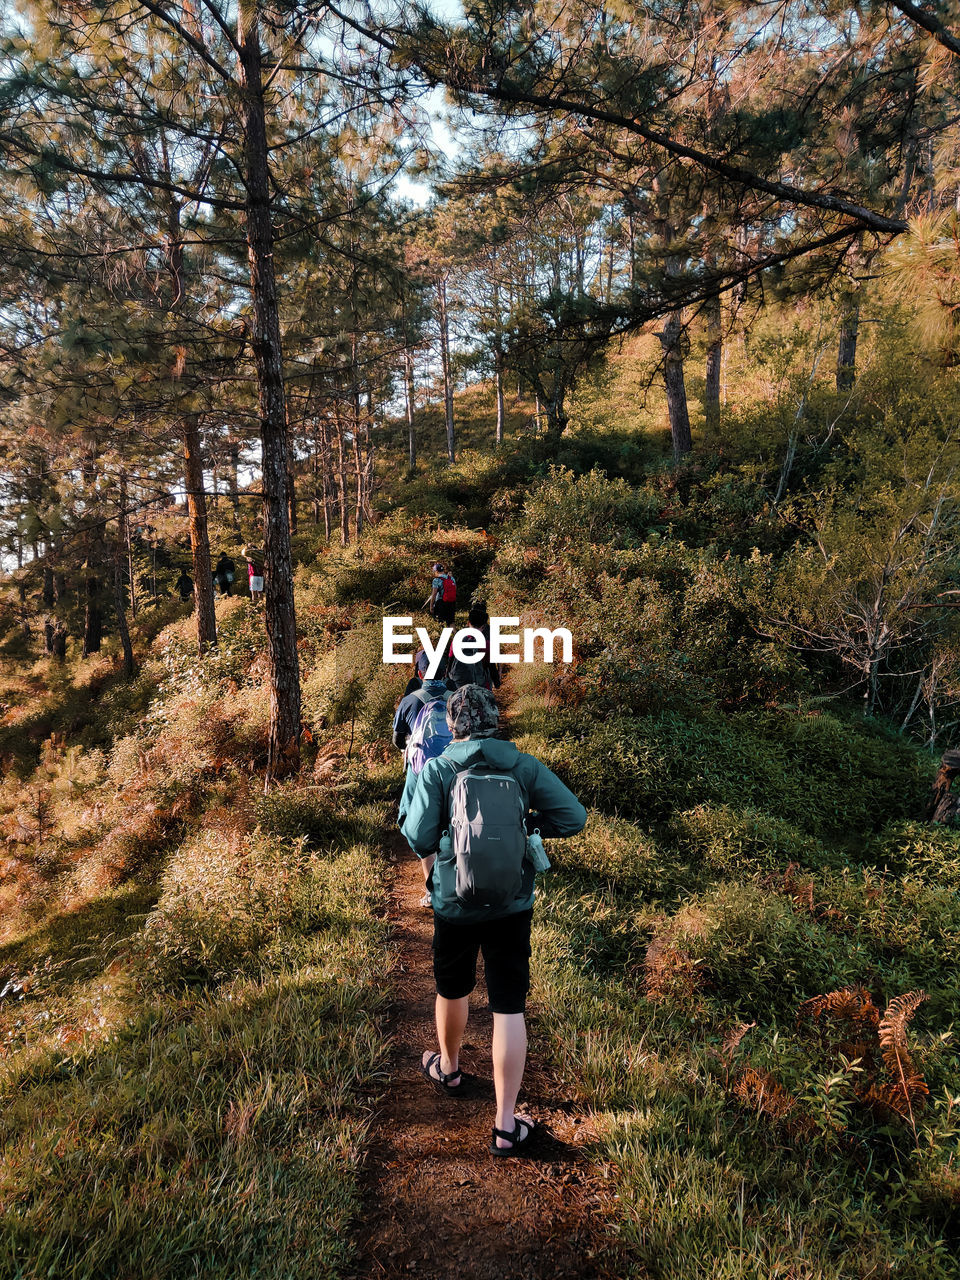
467, 821
442, 602
421, 662
420, 731
254, 559
223, 573
482, 672
184, 585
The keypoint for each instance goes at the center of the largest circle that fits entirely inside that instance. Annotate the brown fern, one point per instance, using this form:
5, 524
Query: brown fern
896, 1052
762, 1092
731, 1041
849, 1004
669, 969
847, 1021
798, 889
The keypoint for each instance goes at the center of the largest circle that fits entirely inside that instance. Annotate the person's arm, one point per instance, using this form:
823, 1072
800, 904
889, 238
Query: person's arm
555, 810
427, 815
401, 729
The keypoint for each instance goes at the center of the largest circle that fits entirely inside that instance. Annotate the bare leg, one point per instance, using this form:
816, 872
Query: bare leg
451, 1023
509, 1059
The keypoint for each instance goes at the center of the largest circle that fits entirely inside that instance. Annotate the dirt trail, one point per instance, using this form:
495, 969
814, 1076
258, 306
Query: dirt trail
436, 1204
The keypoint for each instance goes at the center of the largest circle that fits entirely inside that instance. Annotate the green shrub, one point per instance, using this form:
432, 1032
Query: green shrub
619, 851
762, 956
746, 841
930, 853
567, 515
824, 777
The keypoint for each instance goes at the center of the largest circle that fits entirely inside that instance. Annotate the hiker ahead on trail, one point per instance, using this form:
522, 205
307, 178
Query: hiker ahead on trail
482, 672
442, 603
254, 558
420, 731
467, 821
184, 585
223, 573
421, 662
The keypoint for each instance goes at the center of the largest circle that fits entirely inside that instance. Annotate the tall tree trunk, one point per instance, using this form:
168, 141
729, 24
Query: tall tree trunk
556, 412
47, 597
671, 339
368, 452
358, 488
279, 610
342, 478
445, 365
711, 393
498, 375
93, 616
119, 603
120, 608
847, 345
317, 476
131, 570
325, 474
291, 480
355, 413
204, 612
233, 469
408, 390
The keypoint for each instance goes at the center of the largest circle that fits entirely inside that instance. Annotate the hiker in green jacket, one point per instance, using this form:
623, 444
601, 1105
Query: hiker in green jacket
463, 923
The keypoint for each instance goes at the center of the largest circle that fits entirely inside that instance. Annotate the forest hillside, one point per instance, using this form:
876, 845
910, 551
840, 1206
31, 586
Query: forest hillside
642, 320
745, 967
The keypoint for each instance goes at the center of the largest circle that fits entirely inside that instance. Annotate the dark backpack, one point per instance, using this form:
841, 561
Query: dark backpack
488, 835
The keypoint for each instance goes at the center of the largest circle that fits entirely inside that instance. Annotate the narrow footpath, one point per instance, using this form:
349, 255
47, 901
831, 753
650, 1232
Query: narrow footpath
436, 1204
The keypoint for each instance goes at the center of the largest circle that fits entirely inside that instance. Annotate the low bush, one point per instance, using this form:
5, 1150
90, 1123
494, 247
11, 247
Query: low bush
824, 777
623, 854
745, 842
314, 815
920, 850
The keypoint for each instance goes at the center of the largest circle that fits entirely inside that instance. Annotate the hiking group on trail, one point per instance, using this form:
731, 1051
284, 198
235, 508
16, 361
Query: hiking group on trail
474, 809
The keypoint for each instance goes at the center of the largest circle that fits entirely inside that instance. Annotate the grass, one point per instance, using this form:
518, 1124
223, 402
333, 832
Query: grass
710, 1186
208, 1124
192, 1037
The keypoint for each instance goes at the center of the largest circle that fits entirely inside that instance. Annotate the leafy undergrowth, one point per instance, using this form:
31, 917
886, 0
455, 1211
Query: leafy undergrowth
192, 975
770, 1053
749, 961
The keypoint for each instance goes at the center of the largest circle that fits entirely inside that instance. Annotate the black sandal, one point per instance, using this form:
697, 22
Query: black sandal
521, 1145
442, 1080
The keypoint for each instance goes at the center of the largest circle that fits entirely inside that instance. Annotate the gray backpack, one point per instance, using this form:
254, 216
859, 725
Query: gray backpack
489, 838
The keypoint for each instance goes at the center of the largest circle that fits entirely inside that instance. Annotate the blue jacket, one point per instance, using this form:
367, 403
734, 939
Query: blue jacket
553, 810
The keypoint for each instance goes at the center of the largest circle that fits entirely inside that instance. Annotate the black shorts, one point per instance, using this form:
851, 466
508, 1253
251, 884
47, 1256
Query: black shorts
505, 944
445, 611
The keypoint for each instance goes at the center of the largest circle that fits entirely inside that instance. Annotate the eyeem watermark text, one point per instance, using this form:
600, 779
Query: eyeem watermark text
469, 644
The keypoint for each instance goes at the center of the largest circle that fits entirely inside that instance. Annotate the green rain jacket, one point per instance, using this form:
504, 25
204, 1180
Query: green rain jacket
553, 810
